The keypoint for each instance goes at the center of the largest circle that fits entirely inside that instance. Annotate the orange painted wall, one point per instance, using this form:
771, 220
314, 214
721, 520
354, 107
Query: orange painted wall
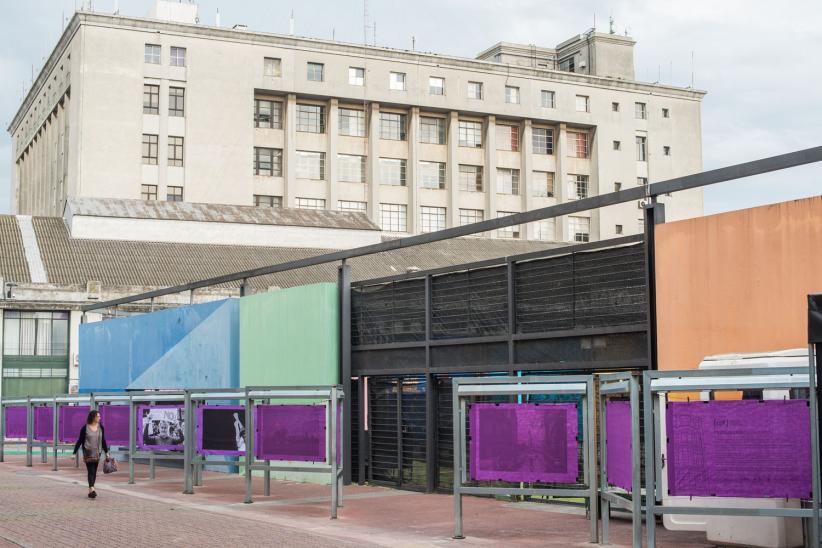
737, 282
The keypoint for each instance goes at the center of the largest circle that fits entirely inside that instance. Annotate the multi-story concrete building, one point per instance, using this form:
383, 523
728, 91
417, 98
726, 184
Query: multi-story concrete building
165, 108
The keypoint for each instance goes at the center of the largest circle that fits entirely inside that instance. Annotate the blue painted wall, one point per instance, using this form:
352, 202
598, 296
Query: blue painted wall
188, 347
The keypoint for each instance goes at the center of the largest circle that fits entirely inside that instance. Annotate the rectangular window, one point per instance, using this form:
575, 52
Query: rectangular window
471, 178
394, 217
177, 57
174, 194
436, 85
347, 205
30, 333
152, 54
176, 101
432, 130
310, 165
545, 230
432, 175
666, 113
396, 80
617, 187
272, 66
350, 168
567, 64
432, 219
150, 149
542, 140
617, 145
392, 126
614, 107
151, 99
547, 99
641, 149
508, 231
315, 72
268, 162
577, 144
582, 103
263, 200
175, 151
310, 118
579, 229
507, 181
310, 203
475, 90
641, 181
356, 76
469, 216
267, 114
507, 137
392, 171
666, 150
543, 184
148, 192
639, 111
577, 186
512, 95
618, 229
352, 122
470, 134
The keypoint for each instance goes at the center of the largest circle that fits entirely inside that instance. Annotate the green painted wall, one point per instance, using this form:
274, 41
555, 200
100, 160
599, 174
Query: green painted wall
290, 337
21, 387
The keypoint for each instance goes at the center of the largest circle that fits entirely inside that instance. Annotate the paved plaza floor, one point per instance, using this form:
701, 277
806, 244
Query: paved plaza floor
39, 507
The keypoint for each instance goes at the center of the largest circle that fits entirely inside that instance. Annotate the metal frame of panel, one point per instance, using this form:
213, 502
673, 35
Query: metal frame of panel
655, 382
466, 387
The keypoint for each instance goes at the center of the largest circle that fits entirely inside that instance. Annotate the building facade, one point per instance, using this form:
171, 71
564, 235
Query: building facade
153, 109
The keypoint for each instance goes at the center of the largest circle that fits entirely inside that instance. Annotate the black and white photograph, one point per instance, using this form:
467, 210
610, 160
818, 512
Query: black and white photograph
162, 427
221, 430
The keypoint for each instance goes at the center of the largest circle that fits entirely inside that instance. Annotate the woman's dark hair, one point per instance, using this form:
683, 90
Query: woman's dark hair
91, 416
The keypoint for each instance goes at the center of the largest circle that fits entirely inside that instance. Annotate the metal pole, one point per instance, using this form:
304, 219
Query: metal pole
333, 434
345, 361
812, 394
29, 431
188, 447
55, 440
603, 455
650, 479
249, 445
592, 460
636, 460
132, 438
151, 470
361, 438
267, 473
2, 431
457, 434
341, 425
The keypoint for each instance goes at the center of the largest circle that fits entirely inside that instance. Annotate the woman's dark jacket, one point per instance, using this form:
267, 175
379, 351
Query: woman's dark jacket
82, 439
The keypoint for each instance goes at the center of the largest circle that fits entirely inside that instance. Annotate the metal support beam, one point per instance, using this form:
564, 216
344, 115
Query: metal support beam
654, 215
344, 288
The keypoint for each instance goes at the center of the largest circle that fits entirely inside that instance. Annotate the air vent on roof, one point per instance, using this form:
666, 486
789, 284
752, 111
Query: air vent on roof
93, 289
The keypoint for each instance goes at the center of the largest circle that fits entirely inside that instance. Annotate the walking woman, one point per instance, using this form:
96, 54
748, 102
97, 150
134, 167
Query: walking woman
93, 440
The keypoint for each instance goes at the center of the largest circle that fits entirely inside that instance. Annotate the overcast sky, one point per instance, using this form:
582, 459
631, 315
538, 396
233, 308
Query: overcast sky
760, 61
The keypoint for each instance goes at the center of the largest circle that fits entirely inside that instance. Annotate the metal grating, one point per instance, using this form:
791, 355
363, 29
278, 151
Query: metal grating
414, 472
387, 313
382, 416
470, 304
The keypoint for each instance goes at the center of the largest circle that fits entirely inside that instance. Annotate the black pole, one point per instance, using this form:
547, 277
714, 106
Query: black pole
345, 365
654, 215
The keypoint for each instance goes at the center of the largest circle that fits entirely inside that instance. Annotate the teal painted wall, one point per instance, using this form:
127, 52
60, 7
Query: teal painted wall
290, 337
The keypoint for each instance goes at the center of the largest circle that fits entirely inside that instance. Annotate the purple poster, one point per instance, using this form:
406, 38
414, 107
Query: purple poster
160, 427
290, 432
618, 443
44, 423
745, 448
72, 419
114, 419
221, 430
16, 417
523, 442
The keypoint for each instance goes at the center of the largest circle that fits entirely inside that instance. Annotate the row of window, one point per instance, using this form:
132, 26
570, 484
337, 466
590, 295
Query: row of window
394, 126
176, 55
173, 193
151, 100
151, 149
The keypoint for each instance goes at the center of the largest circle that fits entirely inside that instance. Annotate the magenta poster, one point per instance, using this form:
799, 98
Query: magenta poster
744, 448
290, 432
72, 419
618, 443
114, 419
44, 423
523, 442
16, 417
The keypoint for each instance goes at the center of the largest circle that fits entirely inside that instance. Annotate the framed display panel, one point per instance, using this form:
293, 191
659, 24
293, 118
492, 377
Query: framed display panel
16, 417
290, 433
221, 430
160, 427
71, 419
114, 419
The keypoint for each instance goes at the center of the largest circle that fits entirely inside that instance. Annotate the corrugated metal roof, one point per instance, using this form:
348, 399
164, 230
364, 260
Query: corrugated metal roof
224, 213
154, 264
13, 264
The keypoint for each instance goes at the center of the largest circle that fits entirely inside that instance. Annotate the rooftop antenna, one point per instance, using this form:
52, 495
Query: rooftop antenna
692, 68
333, 33
291, 24
116, 7
375, 34
611, 25
217, 20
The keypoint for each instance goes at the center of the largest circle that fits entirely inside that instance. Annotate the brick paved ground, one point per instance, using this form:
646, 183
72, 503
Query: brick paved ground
39, 507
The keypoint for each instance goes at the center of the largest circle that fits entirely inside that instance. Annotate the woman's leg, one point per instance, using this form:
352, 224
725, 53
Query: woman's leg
92, 474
